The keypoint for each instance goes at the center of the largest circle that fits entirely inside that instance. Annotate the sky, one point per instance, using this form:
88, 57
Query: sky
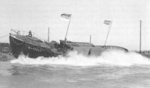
87, 19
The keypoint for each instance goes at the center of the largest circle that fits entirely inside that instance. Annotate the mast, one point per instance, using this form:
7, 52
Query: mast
140, 36
90, 38
48, 35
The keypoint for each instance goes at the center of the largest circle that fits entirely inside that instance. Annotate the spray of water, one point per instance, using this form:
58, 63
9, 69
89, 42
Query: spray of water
111, 57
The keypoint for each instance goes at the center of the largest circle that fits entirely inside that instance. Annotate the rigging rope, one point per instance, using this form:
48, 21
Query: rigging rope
4, 36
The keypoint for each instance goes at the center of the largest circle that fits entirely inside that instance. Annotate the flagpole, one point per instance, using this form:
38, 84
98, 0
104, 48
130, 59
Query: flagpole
90, 38
48, 35
140, 36
108, 33
67, 29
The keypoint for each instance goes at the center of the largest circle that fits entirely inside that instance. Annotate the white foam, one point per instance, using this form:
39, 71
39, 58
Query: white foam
113, 57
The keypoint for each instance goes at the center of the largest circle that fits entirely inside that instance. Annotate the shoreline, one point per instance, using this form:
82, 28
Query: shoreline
6, 56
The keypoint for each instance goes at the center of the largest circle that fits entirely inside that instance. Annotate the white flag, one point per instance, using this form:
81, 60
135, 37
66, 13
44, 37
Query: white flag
66, 16
107, 22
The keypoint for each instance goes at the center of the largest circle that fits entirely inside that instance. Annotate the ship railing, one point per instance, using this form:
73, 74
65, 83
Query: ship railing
18, 32
26, 33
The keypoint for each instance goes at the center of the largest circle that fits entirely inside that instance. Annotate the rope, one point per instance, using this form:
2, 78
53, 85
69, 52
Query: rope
4, 36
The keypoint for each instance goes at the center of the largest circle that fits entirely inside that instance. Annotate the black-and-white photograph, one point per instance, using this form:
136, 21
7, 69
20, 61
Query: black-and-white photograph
74, 44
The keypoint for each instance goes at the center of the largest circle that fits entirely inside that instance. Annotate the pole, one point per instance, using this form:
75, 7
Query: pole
108, 33
67, 29
90, 38
48, 34
140, 35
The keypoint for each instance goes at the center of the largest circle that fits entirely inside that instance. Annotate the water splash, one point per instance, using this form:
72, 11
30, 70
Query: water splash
111, 57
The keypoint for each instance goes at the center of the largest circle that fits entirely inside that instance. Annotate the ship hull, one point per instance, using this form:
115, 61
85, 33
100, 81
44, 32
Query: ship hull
88, 49
34, 47
19, 47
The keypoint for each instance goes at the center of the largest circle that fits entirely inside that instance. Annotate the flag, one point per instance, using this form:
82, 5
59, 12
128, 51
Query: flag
66, 16
107, 22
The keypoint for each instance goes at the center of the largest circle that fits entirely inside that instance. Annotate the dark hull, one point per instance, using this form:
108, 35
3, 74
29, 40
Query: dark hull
21, 47
88, 49
33, 47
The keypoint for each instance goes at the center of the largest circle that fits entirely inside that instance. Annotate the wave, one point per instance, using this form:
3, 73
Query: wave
110, 57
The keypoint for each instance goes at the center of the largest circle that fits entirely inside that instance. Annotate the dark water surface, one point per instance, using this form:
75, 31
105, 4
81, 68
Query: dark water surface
57, 76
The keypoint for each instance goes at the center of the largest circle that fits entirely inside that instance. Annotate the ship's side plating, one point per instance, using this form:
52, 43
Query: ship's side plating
19, 46
34, 47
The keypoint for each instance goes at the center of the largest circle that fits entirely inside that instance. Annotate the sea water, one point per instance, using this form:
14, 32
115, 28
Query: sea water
113, 69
